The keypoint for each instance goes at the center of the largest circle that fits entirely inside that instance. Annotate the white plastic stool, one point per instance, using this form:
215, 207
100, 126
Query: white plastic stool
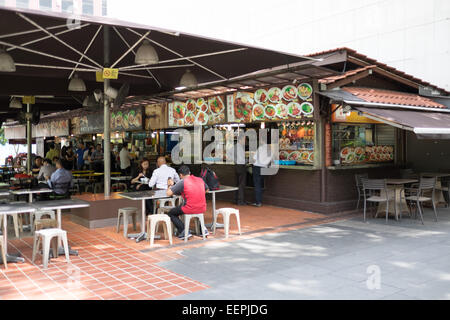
3, 252
226, 213
152, 223
47, 235
37, 215
187, 220
125, 212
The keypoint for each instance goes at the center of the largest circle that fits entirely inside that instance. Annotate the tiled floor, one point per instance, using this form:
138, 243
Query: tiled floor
112, 267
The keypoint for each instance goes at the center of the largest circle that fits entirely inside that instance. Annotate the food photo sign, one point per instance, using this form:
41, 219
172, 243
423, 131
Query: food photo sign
368, 154
288, 103
202, 111
126, 120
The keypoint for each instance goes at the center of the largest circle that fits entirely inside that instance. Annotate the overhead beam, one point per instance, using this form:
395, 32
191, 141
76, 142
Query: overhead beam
59, 40
180, 55
134, 53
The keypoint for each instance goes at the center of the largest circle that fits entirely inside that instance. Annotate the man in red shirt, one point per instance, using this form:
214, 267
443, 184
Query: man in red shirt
193, 190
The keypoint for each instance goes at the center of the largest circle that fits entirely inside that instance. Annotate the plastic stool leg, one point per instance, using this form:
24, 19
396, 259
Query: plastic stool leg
134, 220
66, 247
187, 220
169, 231
202, 225
16, 224
125, 224
152, 232
238, 219
118, 222
35, 247
46, 249
226, 219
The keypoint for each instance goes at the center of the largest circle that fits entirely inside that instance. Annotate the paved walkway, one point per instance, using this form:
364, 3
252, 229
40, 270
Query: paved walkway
339, 260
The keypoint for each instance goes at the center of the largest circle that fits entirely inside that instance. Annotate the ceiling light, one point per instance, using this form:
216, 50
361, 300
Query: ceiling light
6, 62
188, 80
146, 54
15, 104
77, 84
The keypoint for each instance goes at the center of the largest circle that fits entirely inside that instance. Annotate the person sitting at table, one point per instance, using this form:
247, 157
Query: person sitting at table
143, 173
60, 181
37, 165
46, 170
162, 174
193, 190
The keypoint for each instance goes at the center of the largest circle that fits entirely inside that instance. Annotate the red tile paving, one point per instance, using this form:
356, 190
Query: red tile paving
393, 97
111, 267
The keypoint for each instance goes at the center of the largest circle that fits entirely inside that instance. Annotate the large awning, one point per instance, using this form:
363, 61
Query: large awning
425, 124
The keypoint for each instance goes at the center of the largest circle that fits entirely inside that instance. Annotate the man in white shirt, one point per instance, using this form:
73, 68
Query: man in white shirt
262, 159
162, 174
125, 160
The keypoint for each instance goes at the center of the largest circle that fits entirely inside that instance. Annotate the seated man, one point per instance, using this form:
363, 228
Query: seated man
193, 190
162, 174
60, 181
46, 170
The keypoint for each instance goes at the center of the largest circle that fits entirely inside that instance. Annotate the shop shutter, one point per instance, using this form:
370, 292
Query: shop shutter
385, 135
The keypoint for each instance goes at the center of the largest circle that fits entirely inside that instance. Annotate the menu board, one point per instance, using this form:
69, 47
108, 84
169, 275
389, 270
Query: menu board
203, 111
17, 132
91, 123
43, 129
288, 103
59, 128
368, 154
155, 116
75, 125
126, 120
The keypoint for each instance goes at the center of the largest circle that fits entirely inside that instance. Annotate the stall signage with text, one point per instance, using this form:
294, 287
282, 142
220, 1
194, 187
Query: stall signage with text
338, 115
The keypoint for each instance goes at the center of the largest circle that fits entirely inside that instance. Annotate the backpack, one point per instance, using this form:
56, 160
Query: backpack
210, 178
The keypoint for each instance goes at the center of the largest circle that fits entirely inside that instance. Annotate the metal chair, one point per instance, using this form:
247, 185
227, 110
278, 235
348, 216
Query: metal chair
375, 190
416, 196
359, 186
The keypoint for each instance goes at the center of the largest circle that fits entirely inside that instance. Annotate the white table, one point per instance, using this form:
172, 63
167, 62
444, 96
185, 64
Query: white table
12, 208
144, 195
30, 192
59, 205
121, 178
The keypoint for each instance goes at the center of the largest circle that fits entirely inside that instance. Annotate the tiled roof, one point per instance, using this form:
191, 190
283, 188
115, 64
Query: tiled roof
366, 59
347, 74
392, 97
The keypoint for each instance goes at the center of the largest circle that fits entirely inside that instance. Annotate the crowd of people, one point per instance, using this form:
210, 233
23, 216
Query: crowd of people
55, 171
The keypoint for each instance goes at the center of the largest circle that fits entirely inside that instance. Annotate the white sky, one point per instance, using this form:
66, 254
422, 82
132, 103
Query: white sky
410, 35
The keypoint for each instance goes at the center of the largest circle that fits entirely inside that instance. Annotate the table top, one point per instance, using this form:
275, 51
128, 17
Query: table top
401, 181
28, 191
94, 174
224, 189
4, 193
10, 208
144, 195
435, 174
60, 204
122, 178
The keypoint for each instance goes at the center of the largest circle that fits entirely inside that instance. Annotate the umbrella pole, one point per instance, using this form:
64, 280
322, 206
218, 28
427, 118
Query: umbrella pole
28, 117
106, 117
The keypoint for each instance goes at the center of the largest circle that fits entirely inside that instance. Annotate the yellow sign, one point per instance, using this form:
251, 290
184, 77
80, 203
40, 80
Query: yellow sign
29, 100
99, 76
109, 73
338, 115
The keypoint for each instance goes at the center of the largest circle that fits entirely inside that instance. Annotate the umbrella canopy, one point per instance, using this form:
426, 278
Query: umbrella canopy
50, 48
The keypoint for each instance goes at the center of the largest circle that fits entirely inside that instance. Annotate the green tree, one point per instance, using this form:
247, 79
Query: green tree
3, 141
